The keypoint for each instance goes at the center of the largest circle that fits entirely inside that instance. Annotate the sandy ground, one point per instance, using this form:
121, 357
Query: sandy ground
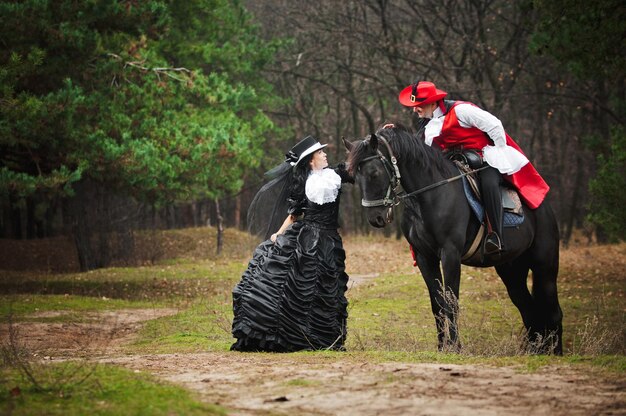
103, 332
270, 384
283, 384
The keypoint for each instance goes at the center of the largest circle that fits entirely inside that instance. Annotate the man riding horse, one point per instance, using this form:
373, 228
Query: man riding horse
462, 125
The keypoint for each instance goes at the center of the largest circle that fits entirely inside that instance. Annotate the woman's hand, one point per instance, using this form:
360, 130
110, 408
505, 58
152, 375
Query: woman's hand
288, 221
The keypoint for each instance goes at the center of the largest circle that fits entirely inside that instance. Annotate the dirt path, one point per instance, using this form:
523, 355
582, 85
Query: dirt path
253, 384
259, 384
104, 332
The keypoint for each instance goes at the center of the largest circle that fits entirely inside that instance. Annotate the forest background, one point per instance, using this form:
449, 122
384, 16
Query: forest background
118, 117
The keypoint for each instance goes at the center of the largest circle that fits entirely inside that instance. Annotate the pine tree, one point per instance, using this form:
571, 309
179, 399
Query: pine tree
154, 99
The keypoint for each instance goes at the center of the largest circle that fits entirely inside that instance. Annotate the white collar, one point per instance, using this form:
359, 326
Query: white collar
322, 186
437, 113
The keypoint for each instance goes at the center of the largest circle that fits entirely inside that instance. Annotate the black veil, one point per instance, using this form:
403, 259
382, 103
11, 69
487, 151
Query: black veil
268, 209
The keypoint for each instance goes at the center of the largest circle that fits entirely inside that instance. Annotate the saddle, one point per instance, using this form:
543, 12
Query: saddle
469, 160
513, 215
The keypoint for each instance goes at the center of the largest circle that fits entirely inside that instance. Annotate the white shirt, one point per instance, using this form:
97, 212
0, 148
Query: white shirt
501, 156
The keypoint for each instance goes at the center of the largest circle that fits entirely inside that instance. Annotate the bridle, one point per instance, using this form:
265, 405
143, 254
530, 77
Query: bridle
393, 195
391, 199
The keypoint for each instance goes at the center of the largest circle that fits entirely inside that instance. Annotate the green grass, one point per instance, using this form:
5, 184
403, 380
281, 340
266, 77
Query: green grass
20, 306
615, 364
181, 281
300, 382
203, 326
394, 314
99, 390
391, 313
389, 317
398, 306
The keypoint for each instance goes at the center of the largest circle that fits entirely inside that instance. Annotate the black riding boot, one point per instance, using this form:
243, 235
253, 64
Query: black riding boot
490, 180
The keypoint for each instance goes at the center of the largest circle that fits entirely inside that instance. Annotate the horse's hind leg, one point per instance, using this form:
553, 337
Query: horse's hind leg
514, 275
548, 323
544, 255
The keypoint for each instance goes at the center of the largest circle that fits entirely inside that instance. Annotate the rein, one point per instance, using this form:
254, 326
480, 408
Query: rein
393, 197
443, 182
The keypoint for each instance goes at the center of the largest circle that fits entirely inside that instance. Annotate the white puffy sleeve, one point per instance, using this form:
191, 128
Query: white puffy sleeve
432, 130
322, 187
501, 156
506, 159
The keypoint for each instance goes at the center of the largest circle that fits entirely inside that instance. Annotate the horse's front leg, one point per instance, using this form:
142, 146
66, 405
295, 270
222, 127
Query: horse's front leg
429, 268
451, 265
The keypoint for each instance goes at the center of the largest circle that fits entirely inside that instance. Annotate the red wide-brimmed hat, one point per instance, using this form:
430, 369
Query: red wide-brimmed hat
419, 94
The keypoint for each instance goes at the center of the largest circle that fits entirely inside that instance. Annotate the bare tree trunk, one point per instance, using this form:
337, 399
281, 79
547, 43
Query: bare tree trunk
238, 211
81, 232
16, 220
571, 215
220, 227
30, 218
193, 208
102, 224
5, 217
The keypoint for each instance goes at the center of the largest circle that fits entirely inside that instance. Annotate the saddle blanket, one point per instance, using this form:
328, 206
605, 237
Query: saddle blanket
513, 216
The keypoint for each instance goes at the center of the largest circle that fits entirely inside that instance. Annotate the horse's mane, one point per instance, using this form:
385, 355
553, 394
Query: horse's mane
407, 147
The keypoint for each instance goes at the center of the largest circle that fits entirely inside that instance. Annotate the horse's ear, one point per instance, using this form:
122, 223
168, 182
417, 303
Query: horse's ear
373, 140
348, 144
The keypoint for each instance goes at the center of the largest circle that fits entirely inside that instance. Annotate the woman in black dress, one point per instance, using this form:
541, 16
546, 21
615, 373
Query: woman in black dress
292, 295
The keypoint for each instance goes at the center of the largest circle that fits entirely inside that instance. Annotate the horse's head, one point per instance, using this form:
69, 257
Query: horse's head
374, 169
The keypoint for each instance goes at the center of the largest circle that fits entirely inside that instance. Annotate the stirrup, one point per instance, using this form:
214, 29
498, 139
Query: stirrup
492, 244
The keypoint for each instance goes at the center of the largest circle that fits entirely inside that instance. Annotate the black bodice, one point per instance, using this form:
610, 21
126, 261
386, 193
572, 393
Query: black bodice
323, 216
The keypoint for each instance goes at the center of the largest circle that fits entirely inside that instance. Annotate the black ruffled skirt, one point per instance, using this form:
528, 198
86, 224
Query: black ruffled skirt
292, 296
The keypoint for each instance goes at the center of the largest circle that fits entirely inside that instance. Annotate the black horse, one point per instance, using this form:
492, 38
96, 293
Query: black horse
440, 227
